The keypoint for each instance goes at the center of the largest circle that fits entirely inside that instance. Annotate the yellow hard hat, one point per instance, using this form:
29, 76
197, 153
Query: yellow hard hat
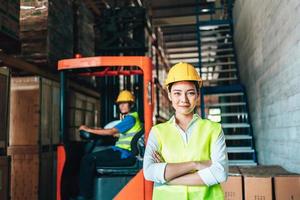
183, 72
125, 96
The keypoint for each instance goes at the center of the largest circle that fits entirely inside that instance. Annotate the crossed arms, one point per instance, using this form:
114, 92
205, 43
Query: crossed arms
191, 173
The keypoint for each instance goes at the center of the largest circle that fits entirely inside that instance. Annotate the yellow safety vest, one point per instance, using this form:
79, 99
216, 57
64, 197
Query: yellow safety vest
174, 150
125, 138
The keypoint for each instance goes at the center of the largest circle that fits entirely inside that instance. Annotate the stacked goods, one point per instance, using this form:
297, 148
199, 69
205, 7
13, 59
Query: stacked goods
34, 133
233, 186
34, 129
4, 99
32, 173
129, 24
261, 182
9, 26
9, 18
257, 185
287, 186
46, 31
163, 110
269, 182
4, 162
34, 111
85, 31
24, 172
83, 110
4, 169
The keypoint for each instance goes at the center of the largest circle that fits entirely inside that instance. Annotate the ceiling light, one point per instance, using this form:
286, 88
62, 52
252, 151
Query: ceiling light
27, 7
204, 10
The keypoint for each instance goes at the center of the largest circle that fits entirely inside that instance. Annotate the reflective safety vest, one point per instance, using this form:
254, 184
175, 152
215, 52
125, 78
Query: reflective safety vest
174, 150
125, 138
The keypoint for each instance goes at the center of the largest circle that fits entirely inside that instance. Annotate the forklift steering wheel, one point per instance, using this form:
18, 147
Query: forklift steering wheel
85, 135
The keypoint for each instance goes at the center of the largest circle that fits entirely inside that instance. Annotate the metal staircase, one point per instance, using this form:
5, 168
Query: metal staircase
211, 49
218, 63
228, 104
224, 99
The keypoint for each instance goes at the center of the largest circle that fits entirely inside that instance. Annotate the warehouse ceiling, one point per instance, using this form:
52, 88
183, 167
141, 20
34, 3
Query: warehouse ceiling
177, 22
162, 12
176, 19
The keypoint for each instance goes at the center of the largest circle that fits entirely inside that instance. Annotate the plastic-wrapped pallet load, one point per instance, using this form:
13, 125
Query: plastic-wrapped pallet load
46, 31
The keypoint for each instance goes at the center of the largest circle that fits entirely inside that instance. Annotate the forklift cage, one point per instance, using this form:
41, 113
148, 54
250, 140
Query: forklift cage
138, 188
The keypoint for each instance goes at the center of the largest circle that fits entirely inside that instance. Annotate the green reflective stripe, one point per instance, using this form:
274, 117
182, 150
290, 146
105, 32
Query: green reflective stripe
124, 142
126, 139
128, 135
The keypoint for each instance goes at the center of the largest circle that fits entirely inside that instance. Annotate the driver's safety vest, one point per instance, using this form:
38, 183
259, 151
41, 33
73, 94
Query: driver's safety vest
174, 150
125, 138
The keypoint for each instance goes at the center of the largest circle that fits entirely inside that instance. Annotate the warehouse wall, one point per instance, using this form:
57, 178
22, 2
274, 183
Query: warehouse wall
267, 40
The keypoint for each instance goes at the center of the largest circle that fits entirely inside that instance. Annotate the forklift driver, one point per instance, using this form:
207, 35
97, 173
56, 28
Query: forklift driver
118, 155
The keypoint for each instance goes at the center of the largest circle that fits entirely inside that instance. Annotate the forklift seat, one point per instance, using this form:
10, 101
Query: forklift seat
110, 180
137, 148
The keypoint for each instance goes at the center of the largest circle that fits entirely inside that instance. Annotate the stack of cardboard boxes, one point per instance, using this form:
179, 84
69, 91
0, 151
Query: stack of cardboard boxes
261, 183
9, 17
51, 30
85, 31
9, 26
4, 112
46, 31
34, 134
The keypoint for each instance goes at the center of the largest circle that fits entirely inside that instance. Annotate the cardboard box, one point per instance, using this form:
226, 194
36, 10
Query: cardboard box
258, 181
4, 179
34, 111
287, 187
258, 188
4, 111
33, 173
233, 186
263, 170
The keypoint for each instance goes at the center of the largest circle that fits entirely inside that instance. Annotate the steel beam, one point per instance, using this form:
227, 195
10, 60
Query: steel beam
19, 64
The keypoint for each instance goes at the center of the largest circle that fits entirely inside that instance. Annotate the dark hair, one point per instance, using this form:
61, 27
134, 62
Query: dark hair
195, 83
131, 103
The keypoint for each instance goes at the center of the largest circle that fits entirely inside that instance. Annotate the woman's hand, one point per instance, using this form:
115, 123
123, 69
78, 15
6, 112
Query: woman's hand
203, 164
158, 158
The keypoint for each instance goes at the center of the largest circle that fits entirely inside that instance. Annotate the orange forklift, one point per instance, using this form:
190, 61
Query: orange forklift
111, 182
